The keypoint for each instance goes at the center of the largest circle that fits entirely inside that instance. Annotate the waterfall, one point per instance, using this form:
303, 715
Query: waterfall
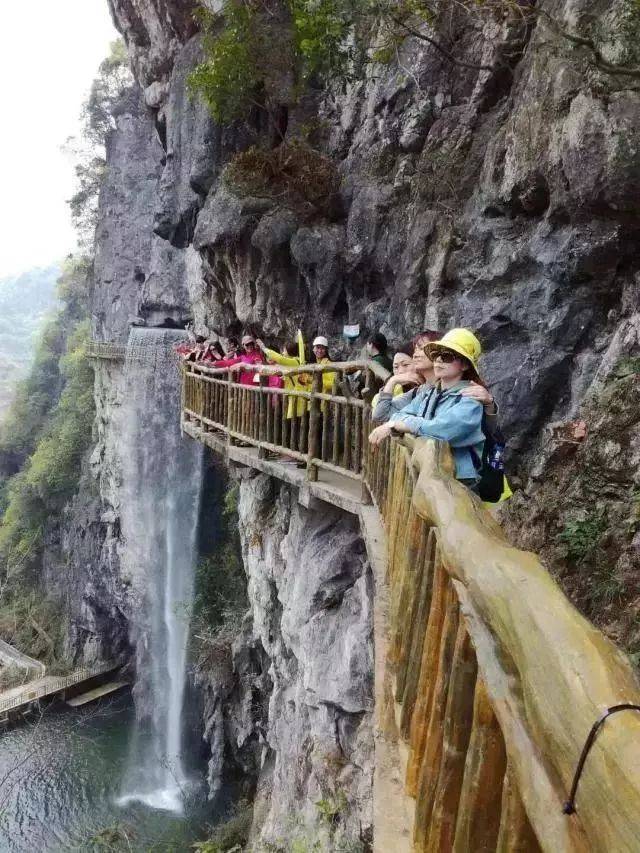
161, 496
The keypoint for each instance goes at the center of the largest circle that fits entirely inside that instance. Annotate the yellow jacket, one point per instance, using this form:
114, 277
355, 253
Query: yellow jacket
327, 382
299, 382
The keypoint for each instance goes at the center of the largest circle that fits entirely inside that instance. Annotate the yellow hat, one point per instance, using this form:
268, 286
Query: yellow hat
461, 341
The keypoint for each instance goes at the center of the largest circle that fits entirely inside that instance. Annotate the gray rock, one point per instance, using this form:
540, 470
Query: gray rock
310, 588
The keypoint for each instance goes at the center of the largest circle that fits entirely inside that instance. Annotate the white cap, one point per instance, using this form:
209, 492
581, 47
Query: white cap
321, 341
248, 339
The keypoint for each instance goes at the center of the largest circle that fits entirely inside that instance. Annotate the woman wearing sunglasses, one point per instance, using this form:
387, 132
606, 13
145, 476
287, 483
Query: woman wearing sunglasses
447, 410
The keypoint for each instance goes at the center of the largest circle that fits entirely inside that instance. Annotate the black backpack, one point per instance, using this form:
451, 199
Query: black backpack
490, 485
490, 468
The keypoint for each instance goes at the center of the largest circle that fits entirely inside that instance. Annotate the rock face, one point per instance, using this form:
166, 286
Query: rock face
499, 192
310, 589
503, 198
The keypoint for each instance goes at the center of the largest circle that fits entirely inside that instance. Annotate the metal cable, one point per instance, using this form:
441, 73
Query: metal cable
570, 805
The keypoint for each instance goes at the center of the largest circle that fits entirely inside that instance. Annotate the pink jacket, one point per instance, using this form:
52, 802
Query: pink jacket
246, 377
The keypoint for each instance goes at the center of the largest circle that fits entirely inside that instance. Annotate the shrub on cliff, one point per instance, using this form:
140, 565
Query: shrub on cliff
260, 53
294, 173
220, 601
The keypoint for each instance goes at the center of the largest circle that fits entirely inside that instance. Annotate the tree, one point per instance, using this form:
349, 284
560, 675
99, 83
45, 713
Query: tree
88, 152
259, 53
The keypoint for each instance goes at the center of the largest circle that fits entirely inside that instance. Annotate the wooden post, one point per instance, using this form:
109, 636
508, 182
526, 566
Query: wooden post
336, 424
285, 426
277, 419
232, 406
346, 452
206, 409
324, 450
270, 400
478, 823
295, 423
264, 406
356, 462
314, 428
304, 429
457, 729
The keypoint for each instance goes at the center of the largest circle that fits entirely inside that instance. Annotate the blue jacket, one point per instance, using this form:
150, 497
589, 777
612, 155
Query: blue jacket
452, 418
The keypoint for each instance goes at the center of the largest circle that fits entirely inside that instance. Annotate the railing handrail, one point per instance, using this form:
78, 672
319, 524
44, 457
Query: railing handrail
276, 370
54, 685
549, 672
545, 672
318, 429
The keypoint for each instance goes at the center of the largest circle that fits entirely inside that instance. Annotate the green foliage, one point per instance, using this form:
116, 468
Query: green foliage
25, 302
112, 839
581, 536
220, 601
232, 834
605, 587
228, 79
35, 625
51, 473
253, 57
321, 32
98, 121
330, 808
627, 367
48, 427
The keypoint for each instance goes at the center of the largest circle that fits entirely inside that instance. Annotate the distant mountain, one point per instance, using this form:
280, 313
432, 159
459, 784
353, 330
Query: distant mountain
25, 301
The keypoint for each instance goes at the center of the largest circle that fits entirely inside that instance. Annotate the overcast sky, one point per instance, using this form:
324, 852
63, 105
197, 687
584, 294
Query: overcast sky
49, 53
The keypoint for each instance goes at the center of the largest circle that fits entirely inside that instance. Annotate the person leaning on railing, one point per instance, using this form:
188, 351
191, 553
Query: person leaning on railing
421, 373
402, 365
446, 410
251, 355
408, 379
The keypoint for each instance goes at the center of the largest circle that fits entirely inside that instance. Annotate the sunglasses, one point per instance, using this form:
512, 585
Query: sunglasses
445, 355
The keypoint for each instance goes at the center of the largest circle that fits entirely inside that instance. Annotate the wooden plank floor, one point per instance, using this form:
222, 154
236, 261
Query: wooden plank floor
330, 487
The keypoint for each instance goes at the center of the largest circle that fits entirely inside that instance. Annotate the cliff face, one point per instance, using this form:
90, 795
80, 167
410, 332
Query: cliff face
310, 589
502, 199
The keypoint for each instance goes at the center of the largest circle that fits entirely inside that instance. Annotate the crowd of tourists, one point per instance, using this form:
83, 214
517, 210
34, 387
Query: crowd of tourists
434, 390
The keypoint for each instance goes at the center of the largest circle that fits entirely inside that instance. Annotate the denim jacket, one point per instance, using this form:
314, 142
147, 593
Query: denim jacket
450, 417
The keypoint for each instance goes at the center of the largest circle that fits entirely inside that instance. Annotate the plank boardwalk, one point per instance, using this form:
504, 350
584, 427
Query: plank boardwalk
487, 679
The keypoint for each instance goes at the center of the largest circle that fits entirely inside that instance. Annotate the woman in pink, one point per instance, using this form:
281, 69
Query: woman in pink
251, 355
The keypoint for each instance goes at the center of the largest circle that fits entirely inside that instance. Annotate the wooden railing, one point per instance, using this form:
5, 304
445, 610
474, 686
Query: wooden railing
324, 431
106, 350
50, 685
494, 679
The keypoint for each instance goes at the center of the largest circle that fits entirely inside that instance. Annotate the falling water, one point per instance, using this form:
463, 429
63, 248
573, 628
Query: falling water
161, 496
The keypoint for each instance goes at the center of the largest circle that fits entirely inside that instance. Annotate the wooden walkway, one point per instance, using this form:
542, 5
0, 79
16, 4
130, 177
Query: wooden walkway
331, 487
487, 680
18, 699
308, 438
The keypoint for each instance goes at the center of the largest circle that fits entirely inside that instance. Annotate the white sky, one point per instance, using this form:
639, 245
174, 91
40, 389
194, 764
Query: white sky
49, 54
